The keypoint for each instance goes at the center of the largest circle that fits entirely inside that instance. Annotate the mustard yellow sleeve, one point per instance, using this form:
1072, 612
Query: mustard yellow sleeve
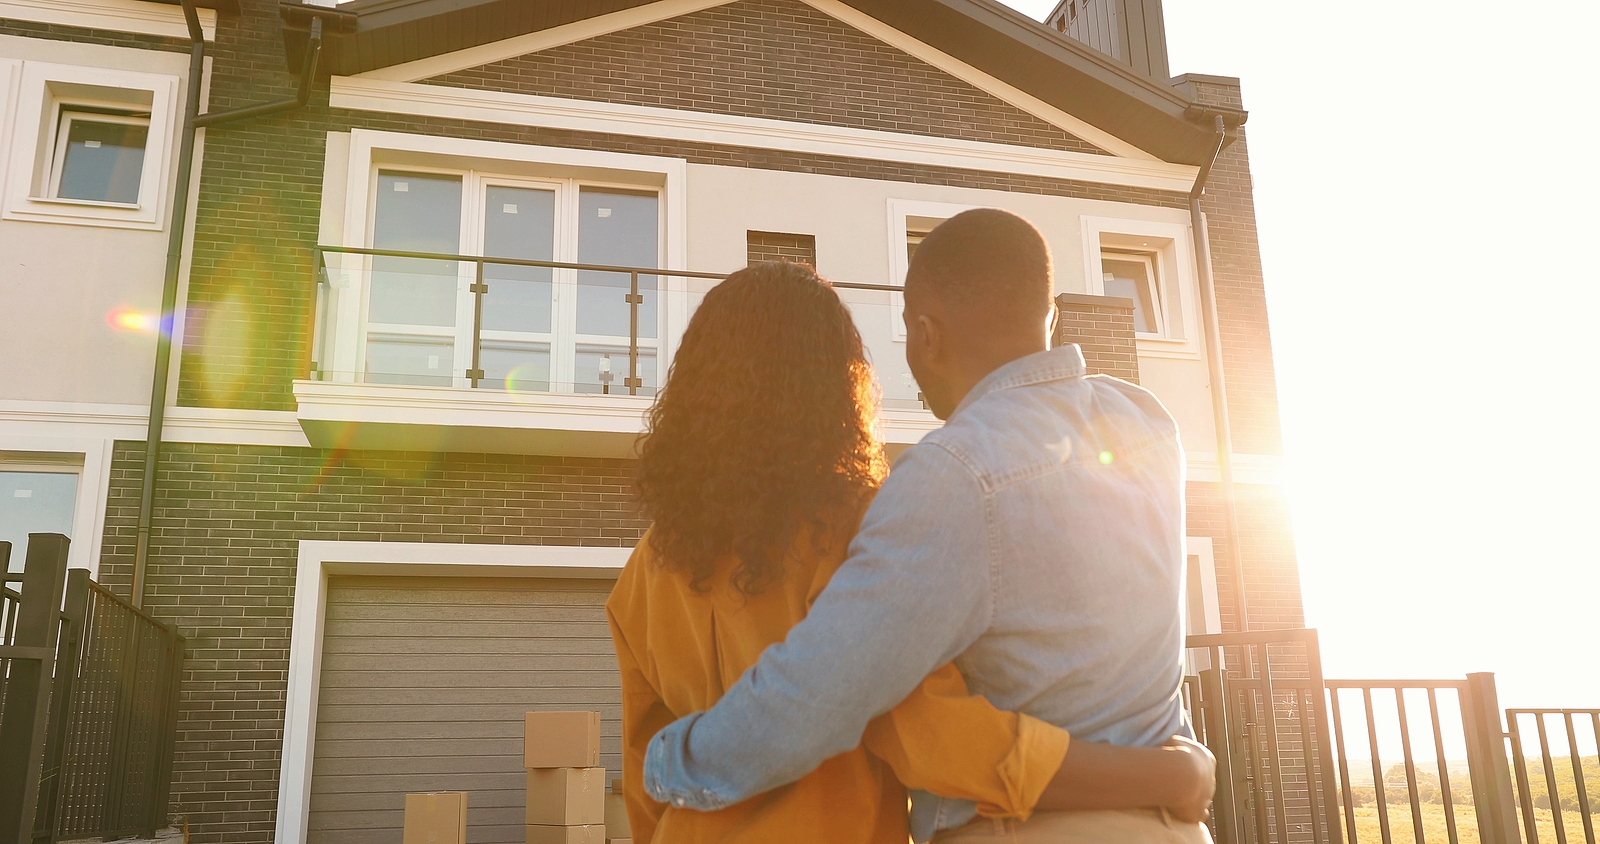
945, 740
643, 712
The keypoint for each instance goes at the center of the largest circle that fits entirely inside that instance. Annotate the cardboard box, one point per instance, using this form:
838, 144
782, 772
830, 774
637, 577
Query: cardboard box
587, 834
438, 817
566, 796
561, 740
617, 813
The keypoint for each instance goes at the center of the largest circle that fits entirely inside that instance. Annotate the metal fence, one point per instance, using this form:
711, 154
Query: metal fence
1294, 753
88, 709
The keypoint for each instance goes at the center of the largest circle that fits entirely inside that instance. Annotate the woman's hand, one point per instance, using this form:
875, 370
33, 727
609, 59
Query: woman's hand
1194, 779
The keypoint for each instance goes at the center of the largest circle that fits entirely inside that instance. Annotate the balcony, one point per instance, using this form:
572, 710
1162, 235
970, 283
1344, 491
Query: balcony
427, 351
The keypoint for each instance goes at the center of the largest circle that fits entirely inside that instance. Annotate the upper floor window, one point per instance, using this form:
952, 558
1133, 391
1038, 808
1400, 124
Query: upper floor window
539, 329
99, 156
90, 146
1136, 276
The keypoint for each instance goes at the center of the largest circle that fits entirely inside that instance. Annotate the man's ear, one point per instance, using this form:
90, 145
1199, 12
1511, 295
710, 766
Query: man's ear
931, 336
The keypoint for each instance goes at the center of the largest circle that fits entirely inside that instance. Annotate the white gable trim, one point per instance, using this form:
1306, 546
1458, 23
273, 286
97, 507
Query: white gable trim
617, 21
318, 559
534, 42
644, 121
134, 16
978, 79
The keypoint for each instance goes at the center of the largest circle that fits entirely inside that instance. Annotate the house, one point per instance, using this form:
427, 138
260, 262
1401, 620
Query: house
392, 490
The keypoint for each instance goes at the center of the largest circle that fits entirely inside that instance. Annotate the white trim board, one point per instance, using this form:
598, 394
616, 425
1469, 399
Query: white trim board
129, 421
319, 559
363, 94
618, 21
134, 16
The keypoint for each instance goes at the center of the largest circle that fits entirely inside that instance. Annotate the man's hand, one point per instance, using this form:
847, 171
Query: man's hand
1196, 780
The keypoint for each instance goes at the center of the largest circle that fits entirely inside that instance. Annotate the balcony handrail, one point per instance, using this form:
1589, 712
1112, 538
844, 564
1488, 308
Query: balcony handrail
563, 265
480, 286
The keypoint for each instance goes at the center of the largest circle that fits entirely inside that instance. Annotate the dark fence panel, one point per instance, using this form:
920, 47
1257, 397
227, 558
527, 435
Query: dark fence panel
30, 618
1545, 789
108, 767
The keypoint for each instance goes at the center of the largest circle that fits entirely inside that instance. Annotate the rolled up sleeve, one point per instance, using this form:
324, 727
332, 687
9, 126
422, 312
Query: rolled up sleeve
915, 592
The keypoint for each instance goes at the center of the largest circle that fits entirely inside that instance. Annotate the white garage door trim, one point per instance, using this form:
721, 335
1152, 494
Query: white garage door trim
319, 559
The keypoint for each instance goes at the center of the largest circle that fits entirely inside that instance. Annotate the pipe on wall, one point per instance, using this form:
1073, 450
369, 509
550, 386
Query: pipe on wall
192, 120
1219, 391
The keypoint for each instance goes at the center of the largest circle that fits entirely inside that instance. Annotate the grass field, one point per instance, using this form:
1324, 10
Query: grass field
1434, 830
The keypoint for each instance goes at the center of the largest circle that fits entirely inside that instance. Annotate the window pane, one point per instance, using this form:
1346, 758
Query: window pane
518, 223
415, 213
595, 361
35, 502
517, 367
394, 359
102, 161
1130, 279
616, 228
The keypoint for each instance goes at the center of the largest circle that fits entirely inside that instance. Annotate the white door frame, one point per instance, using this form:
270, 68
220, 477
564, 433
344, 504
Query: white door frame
320, 559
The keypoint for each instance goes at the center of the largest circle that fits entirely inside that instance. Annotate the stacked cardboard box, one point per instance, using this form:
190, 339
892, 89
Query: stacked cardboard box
438, 817
617, 831
566, 785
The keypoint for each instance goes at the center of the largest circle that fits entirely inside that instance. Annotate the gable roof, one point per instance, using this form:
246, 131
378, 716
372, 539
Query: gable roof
1147, 113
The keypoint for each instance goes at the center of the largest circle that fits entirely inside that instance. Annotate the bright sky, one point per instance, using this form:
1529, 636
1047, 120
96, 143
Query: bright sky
1426, 179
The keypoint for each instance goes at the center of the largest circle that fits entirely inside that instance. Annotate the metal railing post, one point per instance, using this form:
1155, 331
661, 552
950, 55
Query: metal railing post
1214, 698
31, 658
1486, 762
633, 382
478, 288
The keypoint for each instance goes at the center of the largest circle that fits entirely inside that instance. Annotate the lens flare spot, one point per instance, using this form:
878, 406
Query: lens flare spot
125, 319
528, 379
1107, 458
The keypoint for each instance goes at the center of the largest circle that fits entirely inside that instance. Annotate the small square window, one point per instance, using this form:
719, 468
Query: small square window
99, 156
1131, 275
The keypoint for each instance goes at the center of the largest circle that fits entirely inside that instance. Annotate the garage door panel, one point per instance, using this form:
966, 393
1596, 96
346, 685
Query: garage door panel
406, 663
424, 683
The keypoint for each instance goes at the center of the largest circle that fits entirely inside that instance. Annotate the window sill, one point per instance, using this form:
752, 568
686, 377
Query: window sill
84, 203
1153, 346
81, 212
446, 419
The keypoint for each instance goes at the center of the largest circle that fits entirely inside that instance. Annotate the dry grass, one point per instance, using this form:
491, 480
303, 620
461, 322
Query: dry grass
1434, 830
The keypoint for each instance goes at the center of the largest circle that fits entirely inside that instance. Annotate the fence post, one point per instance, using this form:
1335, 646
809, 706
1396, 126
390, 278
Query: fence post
1213, 699
27, 704
75, 619
1486, 761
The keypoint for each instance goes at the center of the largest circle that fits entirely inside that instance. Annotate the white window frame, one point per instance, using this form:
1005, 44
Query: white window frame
44, 92
1170, 246
69, 113
88, 458
905, 216
507, 163
1158, 299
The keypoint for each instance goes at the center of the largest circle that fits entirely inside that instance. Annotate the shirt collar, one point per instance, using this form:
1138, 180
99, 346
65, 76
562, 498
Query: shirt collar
1056, 364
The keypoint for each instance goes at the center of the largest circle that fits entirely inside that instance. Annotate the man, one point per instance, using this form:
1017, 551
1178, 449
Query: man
1036, 539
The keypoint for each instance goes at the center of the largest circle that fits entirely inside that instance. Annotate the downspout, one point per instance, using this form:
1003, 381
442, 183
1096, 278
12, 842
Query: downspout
1219, 392
192, 120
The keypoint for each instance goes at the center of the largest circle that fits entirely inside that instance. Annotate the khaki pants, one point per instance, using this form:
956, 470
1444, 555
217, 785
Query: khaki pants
1132, 826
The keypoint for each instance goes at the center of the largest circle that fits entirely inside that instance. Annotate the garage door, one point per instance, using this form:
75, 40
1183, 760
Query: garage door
424, 684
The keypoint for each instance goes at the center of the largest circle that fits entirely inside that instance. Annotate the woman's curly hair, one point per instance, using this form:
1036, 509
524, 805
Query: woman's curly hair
763, 430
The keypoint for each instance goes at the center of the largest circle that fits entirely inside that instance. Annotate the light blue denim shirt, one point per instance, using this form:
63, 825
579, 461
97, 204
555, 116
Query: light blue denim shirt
1036, 539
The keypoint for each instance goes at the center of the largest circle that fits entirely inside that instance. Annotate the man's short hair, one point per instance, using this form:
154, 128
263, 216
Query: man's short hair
987, 260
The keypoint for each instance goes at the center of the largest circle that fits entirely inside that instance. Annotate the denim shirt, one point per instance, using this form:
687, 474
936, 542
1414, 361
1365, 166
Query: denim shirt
1036, 539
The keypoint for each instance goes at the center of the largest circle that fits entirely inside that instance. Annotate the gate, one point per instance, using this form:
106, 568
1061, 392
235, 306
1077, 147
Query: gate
88, 706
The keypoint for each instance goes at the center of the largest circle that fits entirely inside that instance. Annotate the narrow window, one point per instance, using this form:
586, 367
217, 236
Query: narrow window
1132, 275
35, 498
99, 156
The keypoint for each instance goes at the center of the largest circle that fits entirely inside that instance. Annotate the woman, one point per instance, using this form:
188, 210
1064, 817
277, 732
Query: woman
760, 461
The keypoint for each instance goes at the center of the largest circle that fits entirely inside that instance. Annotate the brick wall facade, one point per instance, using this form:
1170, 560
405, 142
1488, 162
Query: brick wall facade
1272, 574
1230, 210
778, 246
1102, 326
223, 553
83, 35
778, 59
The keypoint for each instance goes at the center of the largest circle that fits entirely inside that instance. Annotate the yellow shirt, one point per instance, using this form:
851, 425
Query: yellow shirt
680, 649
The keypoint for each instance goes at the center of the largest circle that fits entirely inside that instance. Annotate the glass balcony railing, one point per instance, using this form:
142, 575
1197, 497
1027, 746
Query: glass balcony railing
535, 327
